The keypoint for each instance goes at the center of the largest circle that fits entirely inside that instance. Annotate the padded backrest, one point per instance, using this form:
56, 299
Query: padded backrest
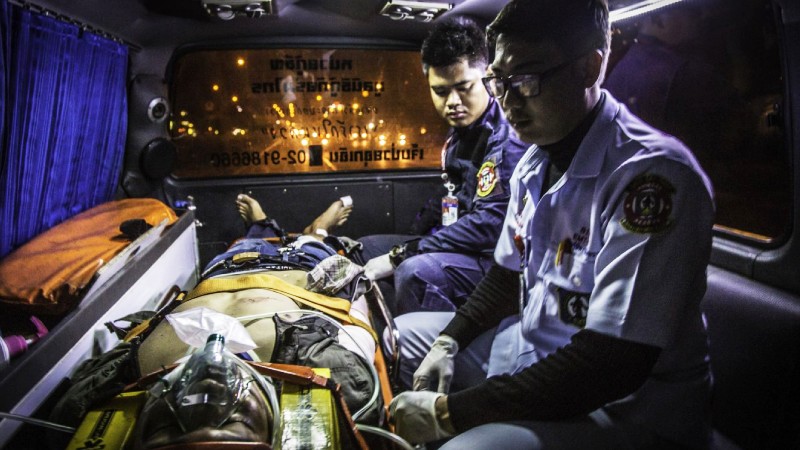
49, 274
754, 339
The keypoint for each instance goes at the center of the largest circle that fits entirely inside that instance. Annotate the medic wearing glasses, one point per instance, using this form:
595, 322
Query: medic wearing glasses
587, 332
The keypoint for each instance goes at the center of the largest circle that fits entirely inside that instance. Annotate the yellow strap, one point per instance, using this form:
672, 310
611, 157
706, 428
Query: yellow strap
333, 306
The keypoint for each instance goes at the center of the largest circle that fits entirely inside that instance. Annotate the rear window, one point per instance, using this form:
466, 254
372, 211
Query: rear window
710, 73
282, 111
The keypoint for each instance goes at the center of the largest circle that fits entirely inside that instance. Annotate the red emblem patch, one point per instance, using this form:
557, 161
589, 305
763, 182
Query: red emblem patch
648, 204
487, 179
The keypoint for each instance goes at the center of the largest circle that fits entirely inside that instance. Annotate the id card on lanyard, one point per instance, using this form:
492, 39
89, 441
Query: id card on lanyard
449, 201
520, 244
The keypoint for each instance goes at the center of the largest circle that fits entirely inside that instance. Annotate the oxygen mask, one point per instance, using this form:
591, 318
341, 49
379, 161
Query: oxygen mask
207, 389
214, 396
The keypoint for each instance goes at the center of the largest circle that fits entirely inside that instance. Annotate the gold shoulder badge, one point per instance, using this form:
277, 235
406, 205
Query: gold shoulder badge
648, 204
487, 179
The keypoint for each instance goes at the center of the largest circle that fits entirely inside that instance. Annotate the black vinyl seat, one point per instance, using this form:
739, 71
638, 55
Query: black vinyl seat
754, 339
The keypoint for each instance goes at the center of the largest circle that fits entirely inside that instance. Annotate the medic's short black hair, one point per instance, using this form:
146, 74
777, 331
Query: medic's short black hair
575, 26
452, 40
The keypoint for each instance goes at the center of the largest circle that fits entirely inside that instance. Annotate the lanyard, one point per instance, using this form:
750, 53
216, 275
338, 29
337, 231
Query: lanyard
519, 243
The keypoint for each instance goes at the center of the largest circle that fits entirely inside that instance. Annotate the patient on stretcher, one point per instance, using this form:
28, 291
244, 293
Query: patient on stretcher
301, 302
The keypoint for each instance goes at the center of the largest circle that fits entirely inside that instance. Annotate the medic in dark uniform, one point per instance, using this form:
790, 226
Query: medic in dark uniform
438, 271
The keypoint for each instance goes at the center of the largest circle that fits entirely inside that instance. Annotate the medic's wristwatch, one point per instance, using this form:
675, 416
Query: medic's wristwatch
397, 254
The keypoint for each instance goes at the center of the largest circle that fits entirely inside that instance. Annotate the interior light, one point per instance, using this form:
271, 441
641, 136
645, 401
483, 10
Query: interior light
254, 10
637, 9
414, 10
399, 13
426, 16
228, 9
224, 12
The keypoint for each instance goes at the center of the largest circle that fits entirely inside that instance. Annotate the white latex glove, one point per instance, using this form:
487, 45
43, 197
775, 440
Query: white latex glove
378, 267
414, 415
437, 365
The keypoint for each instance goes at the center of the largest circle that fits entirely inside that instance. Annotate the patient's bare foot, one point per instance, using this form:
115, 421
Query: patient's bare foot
336, 215
249, 209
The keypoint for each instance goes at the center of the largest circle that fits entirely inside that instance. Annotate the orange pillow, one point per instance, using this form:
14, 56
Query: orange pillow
48, 274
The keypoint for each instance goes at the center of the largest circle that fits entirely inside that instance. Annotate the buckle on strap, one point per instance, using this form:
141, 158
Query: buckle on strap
245, 257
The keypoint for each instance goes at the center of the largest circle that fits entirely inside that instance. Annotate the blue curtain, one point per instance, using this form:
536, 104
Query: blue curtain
65, 124
4, 41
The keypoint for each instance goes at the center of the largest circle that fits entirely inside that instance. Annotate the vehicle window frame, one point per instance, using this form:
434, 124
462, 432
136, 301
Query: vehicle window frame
311, 44
723, 229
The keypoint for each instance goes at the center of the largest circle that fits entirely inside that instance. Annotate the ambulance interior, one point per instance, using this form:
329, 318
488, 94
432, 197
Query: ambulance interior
173, 108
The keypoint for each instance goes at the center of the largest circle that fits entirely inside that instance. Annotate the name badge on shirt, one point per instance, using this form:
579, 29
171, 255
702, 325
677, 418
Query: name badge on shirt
573, 307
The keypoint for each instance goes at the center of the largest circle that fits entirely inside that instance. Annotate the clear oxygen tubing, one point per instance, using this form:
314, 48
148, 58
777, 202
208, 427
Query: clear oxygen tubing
386, 434
38, 422
272, 396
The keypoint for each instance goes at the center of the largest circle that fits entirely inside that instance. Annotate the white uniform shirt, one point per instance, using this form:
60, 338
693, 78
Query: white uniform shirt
619, 245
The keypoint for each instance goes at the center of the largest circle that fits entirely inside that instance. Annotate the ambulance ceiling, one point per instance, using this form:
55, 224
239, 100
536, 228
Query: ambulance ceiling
146, 23
171, 23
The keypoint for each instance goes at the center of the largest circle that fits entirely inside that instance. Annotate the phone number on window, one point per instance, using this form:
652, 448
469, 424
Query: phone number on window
274, 157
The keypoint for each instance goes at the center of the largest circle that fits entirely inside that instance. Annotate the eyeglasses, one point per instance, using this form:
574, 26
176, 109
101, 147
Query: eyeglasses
523, 85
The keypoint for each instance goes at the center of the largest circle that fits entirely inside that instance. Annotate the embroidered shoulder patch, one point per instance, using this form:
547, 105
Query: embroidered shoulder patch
487, 179
648, 204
